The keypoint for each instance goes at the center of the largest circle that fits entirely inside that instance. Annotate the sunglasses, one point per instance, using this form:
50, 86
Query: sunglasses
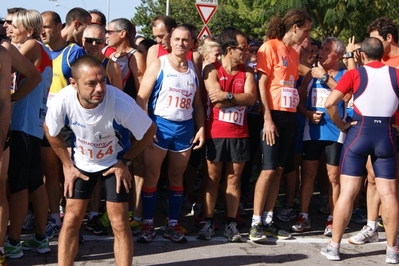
91, 40
109, 32
243, 49
253, 51
8, 21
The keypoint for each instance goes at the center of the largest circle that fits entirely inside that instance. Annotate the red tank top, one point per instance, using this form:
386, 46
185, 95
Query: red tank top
228, 122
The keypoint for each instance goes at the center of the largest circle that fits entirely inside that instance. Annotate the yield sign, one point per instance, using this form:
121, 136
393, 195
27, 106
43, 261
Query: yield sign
206, 11
204, 32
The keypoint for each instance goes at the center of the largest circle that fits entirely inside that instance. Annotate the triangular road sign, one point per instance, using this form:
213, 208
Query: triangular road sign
206, 12
204, 32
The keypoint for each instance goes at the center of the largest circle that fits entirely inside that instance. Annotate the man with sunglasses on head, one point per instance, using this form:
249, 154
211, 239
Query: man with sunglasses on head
231, 89
77, 19
63, 54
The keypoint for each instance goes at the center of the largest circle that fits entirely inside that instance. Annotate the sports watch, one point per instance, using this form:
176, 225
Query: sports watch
348, 55
126, 161
324, 78
229, 96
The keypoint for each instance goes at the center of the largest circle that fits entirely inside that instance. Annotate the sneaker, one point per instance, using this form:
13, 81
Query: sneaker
359, 216
94, 225
365, 235
231, 232
147, 233
35, 245
173, 233
136, 226
165, 225
29, 222
328, 229
3, 260
301, 225
199, 222
286, 214
13, 252
52, 229
392, 257
273, 230
206, 231
256, 234
330, 252
323, 204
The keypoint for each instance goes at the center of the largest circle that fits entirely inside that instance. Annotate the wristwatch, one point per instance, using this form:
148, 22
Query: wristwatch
126, 161
348, 55
229, 96
324, 78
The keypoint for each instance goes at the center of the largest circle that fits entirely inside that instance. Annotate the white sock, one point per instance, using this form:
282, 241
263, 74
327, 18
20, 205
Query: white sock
334, 244
56, 217
138, 219
256, 219
330, 217
172, 222
372, 225
395, 248
267, 217
304, 215
92, 214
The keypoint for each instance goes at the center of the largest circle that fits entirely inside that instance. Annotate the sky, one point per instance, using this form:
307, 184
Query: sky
118, 8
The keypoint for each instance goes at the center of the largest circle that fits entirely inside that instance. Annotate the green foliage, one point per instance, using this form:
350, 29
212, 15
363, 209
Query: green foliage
339, 18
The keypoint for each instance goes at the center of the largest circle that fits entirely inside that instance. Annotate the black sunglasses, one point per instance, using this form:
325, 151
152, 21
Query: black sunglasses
91, 40
243, 49
8, 21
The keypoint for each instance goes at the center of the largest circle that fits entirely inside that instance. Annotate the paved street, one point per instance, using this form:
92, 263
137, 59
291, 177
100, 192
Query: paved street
303, 249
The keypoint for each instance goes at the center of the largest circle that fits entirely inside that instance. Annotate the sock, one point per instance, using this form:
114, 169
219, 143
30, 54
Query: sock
149, 199
39, 237
13, 242
231, 220
372, 225
149, 221
209, 219
92, 214
330, 218
395, 248
256, 219
172, 222
175, 202
137, 219
334, 244
304, 215
267, 217
56, 217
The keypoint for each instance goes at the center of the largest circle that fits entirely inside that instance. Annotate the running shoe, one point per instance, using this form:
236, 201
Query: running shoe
147, 233
286, 214
231, 232
359, 216
52, 229
173, 233
199, 222
256, 234
207, 231
366, 235
301, 225
165, 225
13, 252
29, 222
35, 245
392, 257
136, 226
330, 253
328, 229
94, 225
273, 230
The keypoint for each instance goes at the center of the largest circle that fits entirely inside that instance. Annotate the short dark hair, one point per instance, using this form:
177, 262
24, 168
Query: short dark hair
228, 38
148, 43
78, 14
87, 60
103, 20
373, 48
384, 26
169, 22
55, 18
278, 26
14, 10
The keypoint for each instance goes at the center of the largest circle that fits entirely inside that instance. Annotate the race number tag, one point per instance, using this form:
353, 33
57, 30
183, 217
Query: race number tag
179, 98
289, 97
319, 97
234, 115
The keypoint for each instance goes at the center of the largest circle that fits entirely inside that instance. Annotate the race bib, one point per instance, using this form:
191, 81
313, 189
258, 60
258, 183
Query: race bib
95, 150
234, 115
179, 98
319, 97
289, 97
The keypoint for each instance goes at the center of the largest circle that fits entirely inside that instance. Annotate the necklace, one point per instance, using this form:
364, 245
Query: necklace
177, 63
